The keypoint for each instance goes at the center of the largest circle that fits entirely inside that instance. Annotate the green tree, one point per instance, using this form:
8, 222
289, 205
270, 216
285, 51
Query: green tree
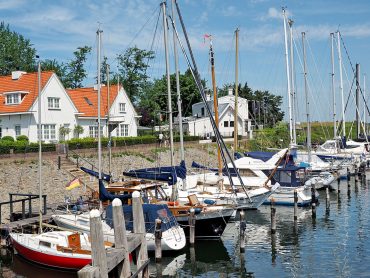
53, 65
76, 72
16, 52
132, 67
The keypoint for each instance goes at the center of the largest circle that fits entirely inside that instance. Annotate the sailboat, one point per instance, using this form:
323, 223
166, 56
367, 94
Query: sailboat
63, 249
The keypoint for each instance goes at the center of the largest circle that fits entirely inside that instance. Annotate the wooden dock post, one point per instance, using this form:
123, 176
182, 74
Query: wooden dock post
242, 228
356, 173
139, 227
313, 200
338, 180
158, 240
327, 198
120, 238
295, 205
348, 174
99, 258
273, 219
192, 227
59, 162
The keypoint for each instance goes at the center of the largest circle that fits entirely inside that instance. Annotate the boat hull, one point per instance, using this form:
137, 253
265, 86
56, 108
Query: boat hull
284, 196
48, 259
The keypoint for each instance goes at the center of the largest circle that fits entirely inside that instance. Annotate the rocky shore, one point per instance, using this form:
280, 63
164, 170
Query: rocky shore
20, 175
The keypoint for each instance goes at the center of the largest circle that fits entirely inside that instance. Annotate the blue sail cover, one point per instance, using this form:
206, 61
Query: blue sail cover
104, 195
167, 173
151, 213
265, 156
96, 174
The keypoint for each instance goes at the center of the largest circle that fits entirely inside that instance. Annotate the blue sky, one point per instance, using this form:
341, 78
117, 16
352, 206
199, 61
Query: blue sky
57, 28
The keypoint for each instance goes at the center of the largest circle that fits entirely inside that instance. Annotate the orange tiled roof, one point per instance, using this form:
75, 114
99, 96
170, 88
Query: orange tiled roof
83, 96
27, 82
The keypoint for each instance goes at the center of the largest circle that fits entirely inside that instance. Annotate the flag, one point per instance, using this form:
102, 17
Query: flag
73, 184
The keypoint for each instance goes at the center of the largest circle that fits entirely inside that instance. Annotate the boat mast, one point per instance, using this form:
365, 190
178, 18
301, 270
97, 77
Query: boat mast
307, 99
236, 90
341, 83
292, 74
288, 80
358, 118
215, 107
40, 146
365, 103
169, 102
332, 85
108, 125
182, 153
98, 33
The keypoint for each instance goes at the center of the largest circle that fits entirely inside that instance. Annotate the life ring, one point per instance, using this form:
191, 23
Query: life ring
174, 203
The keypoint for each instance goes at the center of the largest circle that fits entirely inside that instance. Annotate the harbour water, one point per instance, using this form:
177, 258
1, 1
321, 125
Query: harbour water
334, 244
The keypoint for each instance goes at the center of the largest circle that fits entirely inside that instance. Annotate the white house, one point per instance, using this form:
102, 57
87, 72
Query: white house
199, 123
59, 108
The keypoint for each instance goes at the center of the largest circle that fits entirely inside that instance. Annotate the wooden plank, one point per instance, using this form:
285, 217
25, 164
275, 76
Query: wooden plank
133, 242
116, 256
89, 272
98, 253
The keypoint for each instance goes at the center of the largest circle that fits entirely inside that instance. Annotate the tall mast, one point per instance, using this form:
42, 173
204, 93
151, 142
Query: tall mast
169, 102
288, 80
332, 85
215, 105
236, 90
341, 83
292, 93
98, 33
40, 147
307, 99
108, 125
365, 104
358, 118
182, 154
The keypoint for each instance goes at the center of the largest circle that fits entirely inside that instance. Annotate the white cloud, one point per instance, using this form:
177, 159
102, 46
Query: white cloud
13, 4
273, 13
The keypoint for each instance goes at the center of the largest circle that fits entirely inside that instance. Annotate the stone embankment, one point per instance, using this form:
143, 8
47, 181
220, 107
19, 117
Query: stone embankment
19, 174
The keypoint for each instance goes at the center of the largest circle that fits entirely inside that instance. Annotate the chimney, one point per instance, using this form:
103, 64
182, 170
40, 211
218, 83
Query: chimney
17, 74
230, 91
96, 86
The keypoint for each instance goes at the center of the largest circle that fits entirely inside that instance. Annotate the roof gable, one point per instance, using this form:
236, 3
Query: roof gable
28, 82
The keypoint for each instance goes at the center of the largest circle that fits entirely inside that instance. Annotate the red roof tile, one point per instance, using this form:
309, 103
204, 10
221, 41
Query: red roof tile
83, 96
27, 82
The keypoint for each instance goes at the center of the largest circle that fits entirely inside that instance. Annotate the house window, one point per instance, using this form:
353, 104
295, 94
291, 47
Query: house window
202, 111
226, 124
231, 123
48, 132
17, 129
123, 130
53, 103
93, 131
122, 107
13, 99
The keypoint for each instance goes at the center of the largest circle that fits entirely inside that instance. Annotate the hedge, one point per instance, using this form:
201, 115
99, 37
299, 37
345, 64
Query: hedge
24, 147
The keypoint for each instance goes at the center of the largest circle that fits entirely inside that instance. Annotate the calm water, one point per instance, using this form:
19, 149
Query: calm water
335, 244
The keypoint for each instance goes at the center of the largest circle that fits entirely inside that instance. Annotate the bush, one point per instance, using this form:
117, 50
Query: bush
22, 138
7, 138
23, 147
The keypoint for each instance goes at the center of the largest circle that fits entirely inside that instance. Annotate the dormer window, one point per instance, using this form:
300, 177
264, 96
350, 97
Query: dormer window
13, 98
53, 103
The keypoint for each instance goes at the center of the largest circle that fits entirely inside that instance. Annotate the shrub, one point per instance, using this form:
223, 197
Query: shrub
22, 138
7, 138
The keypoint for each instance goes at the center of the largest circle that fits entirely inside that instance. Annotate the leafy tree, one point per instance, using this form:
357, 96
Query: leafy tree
76, 72
53, 65
16, 52
103, 71
132, 66
78, 130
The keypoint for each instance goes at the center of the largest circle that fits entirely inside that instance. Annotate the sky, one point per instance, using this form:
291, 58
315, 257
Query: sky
56, 28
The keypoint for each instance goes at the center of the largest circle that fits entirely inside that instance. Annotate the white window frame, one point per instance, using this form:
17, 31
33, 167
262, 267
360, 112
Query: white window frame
122, 107
123, 130
48, 132
12, 99
53, 103
93, 131
19, 129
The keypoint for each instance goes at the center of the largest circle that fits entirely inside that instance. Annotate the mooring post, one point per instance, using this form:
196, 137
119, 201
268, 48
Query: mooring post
29, 206
77, 165
338, 180
273, 218
120, 238
158, 240
59, 162
313, 200
23, 209
45, 207
327, 198
348, 174
139, 228
243, 227
10, 207
98, 254
192, 227
356, 173
295, 205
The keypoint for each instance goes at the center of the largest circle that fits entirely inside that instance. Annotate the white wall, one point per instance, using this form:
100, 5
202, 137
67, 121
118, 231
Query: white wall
8, 124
